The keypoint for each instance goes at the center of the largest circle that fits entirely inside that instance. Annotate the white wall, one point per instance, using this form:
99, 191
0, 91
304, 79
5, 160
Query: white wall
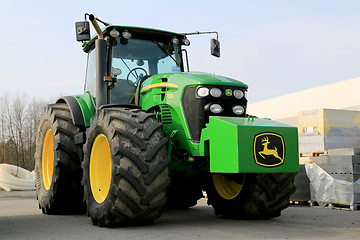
340, 95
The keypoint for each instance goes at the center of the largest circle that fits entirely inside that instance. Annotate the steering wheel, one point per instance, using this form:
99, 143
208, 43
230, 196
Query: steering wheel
137, 74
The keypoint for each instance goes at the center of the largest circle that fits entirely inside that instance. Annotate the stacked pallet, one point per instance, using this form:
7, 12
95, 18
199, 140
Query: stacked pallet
330, 138
342, 164
302, 184
324, 129
334, 178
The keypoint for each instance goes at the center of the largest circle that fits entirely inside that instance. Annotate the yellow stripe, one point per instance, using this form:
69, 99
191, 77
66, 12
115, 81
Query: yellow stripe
159, 85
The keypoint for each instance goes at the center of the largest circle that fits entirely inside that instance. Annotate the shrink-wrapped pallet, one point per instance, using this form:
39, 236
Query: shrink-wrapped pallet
324, 129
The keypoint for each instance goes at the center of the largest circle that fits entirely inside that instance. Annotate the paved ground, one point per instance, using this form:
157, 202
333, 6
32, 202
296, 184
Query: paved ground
20, 218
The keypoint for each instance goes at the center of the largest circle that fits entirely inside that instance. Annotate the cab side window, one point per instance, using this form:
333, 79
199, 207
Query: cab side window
90, 81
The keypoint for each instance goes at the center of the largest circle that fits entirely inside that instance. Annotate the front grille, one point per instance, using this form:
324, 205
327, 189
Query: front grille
194, 108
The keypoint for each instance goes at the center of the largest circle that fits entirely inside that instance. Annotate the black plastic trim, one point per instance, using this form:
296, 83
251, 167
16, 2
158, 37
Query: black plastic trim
131, 106
76, 113
197, 113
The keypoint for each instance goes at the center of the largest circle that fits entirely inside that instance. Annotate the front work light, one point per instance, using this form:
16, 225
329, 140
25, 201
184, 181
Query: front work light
175, 41
186, 42
216, 108
114, 33
126, 34
238, 110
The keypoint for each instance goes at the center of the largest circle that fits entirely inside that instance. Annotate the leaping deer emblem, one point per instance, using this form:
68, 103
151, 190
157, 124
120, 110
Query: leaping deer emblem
265, 142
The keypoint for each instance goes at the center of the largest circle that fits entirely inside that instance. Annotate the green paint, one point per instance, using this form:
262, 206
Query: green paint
87, 107
158, 96
231, 145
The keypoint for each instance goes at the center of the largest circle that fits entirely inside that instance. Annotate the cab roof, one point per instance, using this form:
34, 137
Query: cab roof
136, 32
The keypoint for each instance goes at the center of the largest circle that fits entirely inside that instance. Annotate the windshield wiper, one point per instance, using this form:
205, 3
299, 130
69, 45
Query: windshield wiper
165, 52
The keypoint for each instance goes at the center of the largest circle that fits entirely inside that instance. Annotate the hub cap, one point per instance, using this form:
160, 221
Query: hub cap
48, 159
226, 188
100, 168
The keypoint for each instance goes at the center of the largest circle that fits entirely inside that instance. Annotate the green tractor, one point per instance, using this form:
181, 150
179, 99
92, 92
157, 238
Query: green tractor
148, 134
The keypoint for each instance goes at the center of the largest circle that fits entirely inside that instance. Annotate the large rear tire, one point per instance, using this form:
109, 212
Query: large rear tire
250, 196
58, 163
125, 167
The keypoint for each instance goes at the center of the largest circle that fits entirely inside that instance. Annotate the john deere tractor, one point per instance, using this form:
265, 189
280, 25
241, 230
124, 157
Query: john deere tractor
149, 134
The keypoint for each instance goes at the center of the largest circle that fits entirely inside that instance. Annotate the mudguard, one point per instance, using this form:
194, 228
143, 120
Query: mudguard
81, 107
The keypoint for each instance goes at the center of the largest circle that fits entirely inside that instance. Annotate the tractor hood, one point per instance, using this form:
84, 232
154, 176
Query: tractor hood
183, 79
198, 78
207, 78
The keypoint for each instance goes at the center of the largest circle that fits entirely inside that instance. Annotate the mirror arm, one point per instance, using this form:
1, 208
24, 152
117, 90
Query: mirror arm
187, 59
198, 33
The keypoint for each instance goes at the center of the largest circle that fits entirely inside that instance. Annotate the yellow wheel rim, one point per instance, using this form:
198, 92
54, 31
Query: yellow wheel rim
227, 189
48, 159
100, 168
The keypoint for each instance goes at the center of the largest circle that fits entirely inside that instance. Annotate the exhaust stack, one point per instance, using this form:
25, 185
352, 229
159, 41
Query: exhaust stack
96, 26
100, 46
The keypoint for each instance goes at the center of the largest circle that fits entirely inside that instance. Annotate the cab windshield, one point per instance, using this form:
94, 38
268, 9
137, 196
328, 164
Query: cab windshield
138, 59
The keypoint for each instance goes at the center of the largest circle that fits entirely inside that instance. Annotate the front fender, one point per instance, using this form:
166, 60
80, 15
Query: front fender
81, 107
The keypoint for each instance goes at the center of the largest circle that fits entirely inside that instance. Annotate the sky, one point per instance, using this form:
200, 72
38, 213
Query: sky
276, 47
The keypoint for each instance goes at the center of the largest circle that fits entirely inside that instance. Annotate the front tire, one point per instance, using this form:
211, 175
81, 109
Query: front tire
58, 163
250, 196
125, 167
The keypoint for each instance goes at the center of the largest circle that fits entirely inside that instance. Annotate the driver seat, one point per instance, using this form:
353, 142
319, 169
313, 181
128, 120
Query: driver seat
122, 92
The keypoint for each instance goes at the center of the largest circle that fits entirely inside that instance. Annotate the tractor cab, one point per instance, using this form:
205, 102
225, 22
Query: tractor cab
133, 55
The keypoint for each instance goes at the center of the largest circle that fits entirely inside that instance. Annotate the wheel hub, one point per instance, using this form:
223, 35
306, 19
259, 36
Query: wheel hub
47, 159
226, 188
100, 168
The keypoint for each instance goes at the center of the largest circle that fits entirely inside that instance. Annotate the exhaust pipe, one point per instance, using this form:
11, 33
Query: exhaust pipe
96, 26
100, 47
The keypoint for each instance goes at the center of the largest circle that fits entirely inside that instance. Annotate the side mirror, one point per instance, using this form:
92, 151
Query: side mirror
82, 31
215, 47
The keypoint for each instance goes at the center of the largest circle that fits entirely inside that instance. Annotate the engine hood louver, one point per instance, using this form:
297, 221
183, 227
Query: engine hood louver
165, 114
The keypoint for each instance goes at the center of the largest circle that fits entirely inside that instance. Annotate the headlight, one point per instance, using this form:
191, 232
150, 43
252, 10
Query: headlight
203, 92
245, 94
216, 108
238, 94
215, 92
238, 110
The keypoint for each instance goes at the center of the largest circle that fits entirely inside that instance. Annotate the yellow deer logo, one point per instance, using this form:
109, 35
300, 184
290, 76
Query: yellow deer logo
265, 142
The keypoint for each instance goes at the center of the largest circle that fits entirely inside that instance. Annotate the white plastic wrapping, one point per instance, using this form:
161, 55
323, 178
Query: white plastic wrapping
326, 189
16, 178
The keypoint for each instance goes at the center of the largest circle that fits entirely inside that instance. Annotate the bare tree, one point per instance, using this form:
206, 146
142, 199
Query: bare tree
2, 128
34, 111
19, 121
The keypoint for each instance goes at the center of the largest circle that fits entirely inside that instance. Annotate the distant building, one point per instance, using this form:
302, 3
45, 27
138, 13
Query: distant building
341, 95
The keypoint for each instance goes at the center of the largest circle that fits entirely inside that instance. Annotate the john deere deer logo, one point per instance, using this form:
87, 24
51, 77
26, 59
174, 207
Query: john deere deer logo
269, 150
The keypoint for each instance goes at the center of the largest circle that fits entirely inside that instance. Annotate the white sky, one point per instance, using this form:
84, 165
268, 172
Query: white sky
276, 47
